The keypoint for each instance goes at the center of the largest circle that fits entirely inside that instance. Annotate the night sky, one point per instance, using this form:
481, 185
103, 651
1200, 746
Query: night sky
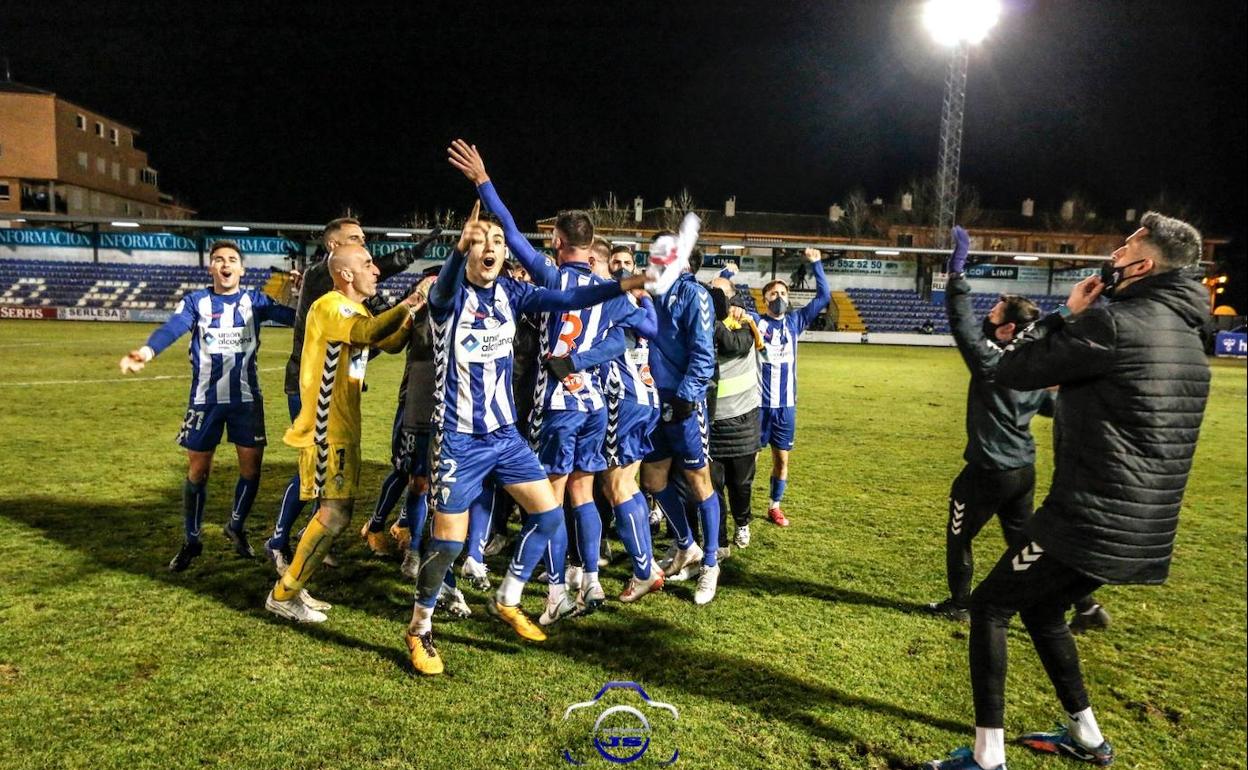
263, 114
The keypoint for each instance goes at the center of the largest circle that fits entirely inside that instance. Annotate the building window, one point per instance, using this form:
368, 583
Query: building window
127, 207
83, 162
149, 176
95, 201
75, 200
1040, 247
1066, 248
80, 122
99, 129
101, 165
5, 194
131, 176
142, 213
114, 137
117, 171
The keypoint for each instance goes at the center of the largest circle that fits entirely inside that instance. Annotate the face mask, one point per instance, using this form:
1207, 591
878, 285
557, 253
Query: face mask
778, 306
621, 274
990, 329
1111, 276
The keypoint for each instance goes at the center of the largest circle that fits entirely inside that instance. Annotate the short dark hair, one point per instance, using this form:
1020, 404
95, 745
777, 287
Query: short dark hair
337, 224
695, 259
1019, 310
1177, 241
576, 226
601, 247
620, 248
224, 243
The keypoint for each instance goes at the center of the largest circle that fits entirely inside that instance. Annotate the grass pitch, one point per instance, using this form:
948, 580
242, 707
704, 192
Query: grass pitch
814, 655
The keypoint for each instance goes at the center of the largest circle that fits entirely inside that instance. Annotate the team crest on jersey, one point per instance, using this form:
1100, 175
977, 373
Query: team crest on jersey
492, 323
346, 311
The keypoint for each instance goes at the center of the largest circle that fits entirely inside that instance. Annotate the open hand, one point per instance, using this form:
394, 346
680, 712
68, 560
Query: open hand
465, 157
1084, 294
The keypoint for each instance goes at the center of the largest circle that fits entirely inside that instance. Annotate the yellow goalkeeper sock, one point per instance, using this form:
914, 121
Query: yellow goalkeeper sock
312, 549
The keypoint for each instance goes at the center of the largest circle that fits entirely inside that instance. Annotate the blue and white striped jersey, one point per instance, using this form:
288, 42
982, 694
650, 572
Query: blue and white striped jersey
576, 332
473, 332
778, 373
224, 343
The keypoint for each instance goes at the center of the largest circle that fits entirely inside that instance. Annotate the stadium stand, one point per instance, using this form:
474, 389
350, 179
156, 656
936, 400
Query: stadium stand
39, 283
898, 310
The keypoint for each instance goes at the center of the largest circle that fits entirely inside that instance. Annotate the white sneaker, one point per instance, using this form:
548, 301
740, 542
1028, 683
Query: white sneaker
313, 604
476, 574
557, 609
573, 576
591, 598
637, 588
452, 600
410, 568
293, 609
742, 538
708, 581
495, 546
684, 564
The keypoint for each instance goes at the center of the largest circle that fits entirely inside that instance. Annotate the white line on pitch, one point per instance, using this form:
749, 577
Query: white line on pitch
117, 379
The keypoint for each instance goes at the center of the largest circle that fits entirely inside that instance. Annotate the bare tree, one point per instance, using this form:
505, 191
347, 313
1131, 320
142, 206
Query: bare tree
610, 213
682, 203
970, 208
857, 218
447, 219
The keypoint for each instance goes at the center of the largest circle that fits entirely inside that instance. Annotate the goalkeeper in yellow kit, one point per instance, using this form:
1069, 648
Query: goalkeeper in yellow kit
337, 338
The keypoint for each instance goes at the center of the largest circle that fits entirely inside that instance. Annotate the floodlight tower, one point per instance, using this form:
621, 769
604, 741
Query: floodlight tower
958, 24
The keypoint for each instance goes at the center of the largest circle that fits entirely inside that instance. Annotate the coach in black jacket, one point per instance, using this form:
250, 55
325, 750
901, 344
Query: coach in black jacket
1134, 382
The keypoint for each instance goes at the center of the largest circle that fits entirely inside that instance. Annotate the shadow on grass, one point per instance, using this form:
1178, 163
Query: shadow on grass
139, 538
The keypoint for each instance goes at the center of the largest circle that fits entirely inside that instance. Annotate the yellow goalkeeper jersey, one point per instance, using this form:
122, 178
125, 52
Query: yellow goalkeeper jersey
331, 374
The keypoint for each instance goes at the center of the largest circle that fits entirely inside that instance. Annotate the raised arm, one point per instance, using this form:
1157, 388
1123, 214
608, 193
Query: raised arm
823, 295
465, 157
400, 259
268, 309
166, 334
980, 355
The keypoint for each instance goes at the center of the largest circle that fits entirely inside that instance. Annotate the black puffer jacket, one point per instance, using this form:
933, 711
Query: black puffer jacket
1134, 385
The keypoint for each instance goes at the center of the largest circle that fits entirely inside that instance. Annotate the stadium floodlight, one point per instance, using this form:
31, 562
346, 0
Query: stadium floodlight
397, 234
1025, 258
124, 224
951, 22
730, 247
888, 253
235, 228
958, 24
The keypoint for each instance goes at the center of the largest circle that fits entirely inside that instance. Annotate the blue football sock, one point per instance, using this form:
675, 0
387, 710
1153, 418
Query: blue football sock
642, 507
535, 536
435, 562
631, 524
673, 508
193, 497
292, 506
479, 514
777, 489
588, 535
391, 489
708, 513
416, 511
557, 554
244, 495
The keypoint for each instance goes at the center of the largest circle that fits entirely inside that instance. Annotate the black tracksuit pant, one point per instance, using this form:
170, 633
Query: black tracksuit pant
976, 495
1039, 588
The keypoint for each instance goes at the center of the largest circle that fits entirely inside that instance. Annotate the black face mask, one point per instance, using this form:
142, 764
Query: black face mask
621, 274
1111, 276
990, 330
778, 306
